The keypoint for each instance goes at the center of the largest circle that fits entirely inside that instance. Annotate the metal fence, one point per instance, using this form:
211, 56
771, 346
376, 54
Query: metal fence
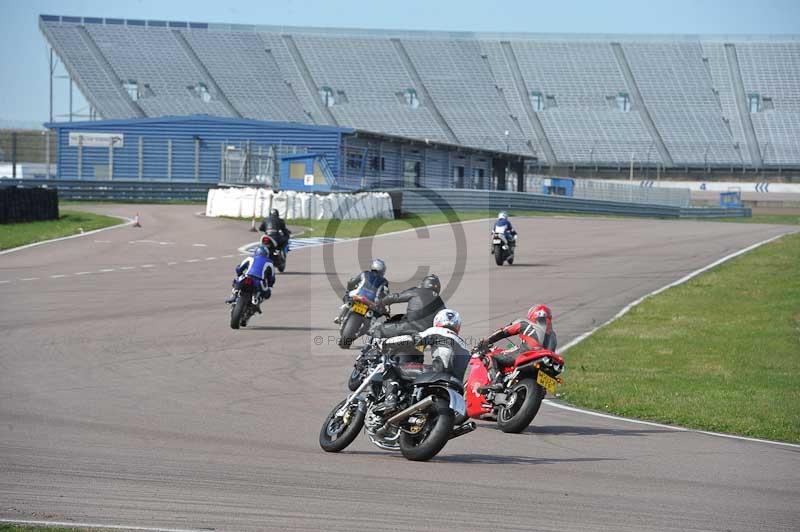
595, 189
119, 190
421, 200
27, 153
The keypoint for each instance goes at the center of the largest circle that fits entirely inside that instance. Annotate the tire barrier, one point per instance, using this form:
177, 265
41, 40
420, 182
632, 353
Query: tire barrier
245, 202
421, 200
27, 204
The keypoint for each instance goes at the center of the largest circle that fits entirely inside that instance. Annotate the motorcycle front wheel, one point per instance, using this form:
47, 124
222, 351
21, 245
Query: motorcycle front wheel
432, 436
527, 400
339, 432
498, 255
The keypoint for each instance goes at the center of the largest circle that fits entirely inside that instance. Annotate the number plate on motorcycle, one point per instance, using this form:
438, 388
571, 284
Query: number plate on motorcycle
360, 308
547, 382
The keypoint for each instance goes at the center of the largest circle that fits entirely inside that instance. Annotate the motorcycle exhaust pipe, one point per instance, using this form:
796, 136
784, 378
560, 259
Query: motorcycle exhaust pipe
465, 428
406, 413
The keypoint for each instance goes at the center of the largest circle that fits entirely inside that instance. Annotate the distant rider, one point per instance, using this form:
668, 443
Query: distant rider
423, 302
534, 332
448, 350
503, 227
266, 275
369, 281
274, 223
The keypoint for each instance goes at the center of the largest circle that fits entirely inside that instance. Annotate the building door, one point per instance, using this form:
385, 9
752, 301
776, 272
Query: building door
458, 176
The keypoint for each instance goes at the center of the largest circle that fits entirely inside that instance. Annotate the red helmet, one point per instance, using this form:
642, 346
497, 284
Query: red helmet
541, 313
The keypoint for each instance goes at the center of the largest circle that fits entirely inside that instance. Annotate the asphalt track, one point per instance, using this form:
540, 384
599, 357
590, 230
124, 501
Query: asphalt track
125, 398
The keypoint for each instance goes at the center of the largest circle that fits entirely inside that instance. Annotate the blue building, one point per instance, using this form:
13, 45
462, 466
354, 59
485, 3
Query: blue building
286, 155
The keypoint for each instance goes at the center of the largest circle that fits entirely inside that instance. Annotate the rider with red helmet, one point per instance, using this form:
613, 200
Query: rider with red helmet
534, 332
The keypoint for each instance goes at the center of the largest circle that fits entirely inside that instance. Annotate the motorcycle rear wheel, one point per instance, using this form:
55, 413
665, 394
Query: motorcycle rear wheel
237, 310
433, 436
519, 416
336, 434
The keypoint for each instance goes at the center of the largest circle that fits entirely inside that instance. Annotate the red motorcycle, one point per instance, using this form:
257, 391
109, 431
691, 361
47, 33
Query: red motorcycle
521, 388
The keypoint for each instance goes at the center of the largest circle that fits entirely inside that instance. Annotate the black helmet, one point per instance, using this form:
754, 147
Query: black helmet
432, 282
274, 212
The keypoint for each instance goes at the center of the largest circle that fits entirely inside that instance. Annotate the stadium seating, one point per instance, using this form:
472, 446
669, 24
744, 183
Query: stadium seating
568, 100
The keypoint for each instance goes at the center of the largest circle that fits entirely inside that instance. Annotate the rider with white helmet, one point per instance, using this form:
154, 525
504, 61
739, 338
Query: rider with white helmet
372, 281
503, 226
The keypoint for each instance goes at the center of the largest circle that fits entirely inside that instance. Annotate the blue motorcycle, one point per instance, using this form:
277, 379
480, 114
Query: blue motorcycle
248, 292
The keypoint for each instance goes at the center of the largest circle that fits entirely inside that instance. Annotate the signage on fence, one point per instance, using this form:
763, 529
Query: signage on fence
308, 180
95, 140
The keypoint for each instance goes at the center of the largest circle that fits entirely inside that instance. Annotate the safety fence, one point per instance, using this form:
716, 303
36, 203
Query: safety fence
417, 201
119, 190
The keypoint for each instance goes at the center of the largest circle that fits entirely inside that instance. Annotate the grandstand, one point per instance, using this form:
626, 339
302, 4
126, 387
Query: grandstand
675, 103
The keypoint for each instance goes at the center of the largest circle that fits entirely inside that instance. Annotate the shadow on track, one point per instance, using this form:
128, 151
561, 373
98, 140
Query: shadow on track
567, 430
286, 328
497, 459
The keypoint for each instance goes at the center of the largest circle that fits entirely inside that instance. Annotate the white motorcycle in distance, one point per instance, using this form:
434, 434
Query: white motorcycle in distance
503, 246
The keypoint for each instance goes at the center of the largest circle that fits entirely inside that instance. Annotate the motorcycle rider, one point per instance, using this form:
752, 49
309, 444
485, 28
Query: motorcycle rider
372, 280
449, 351
267, 274
423, 302
503, 226
534, 332
275, 223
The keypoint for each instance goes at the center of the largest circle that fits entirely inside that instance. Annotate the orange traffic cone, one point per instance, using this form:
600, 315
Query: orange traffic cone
136, 221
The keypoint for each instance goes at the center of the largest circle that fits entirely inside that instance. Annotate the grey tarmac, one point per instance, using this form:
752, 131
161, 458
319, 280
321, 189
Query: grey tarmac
125, 398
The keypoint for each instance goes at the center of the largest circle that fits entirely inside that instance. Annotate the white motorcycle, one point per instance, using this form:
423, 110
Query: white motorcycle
503, 246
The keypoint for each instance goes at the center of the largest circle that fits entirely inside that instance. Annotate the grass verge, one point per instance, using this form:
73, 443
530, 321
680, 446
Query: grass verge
779, 219
6, 527
68, 223
720, 352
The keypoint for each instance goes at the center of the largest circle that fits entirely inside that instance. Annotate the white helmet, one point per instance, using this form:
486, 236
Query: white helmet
503, 215
449, 319
378, 266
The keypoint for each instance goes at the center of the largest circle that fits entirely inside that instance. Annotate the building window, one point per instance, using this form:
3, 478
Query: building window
458, 176
537, 100
132, 88
412, 172
354, 160
326, 94
477, 177
200, 91
767, 104
754, 102
624, 102
411, 99
377, 164
550, 101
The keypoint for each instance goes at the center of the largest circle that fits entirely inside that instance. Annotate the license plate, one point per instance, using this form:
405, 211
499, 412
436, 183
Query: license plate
547, 382
360, 308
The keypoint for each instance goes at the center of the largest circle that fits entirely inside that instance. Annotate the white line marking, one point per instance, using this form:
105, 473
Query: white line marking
670, 427
73, 524
128, 221
147, 266
106, 270
82, 273
211, 258
128, 268
57, 276
29, 279
198, 245
102, 241
173, 263
192, 260
4, 282
227, 257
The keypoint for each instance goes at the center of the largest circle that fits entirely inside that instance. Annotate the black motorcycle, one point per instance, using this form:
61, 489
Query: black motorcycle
419, 424
276, 254
503, 247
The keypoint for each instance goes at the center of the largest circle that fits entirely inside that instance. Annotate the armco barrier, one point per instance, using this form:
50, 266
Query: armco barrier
116, 190
422, 200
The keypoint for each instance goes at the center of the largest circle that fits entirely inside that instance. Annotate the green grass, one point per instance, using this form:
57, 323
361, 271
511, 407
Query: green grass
68, 223
720, 352
32, 528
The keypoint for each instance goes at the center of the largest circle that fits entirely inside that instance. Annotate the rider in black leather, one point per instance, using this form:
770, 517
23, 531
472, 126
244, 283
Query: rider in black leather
274, 222
423, 302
